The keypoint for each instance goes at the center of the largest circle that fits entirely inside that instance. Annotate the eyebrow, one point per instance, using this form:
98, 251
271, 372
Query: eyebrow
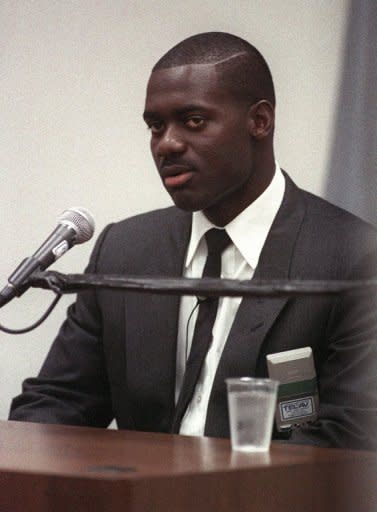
149, 114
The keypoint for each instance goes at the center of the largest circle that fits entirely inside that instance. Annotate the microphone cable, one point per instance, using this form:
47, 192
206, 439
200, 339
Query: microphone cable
199, 300
37, 323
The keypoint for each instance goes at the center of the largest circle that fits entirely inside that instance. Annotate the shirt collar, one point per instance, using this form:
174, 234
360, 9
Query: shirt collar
249, 230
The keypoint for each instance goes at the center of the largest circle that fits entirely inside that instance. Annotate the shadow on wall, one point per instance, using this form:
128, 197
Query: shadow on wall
352, 171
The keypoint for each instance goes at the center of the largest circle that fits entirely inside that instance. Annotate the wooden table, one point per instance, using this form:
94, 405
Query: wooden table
73, 469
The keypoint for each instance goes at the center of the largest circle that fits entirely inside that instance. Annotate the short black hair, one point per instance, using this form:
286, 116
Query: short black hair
243, 68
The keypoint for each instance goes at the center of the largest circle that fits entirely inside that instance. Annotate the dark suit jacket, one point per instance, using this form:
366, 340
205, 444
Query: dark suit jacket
115, 354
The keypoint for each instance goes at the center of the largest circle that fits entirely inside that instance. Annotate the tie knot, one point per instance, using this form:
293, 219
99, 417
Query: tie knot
217, 240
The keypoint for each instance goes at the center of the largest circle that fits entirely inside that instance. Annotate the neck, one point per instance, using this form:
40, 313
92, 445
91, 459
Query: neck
227, 209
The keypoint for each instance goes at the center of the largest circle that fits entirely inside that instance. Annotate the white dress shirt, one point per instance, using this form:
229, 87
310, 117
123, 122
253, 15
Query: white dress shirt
248, 232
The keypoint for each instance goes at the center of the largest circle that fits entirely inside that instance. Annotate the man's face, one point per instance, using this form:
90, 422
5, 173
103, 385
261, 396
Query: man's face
200, 141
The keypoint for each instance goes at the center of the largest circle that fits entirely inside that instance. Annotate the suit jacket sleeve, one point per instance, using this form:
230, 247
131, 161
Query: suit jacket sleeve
348, 374
72, 386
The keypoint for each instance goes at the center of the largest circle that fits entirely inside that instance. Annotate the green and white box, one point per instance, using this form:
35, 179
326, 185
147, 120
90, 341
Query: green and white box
298, 391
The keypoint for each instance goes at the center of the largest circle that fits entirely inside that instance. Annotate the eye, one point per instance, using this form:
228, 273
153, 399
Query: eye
155, 126
195, 122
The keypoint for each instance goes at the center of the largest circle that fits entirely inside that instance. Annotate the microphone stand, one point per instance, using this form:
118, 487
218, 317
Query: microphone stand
208, 287
205, 287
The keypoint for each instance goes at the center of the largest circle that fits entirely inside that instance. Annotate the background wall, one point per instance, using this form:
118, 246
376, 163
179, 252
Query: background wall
72, 81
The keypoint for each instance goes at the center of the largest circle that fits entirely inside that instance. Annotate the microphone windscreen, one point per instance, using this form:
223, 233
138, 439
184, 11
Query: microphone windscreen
81, 221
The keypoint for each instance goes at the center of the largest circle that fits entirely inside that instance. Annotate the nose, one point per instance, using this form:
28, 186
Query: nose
169, 142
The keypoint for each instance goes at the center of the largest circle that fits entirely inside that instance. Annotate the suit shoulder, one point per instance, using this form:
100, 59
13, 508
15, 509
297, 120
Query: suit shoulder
152, 223
141, 238
330, 241
325, 214
322, 210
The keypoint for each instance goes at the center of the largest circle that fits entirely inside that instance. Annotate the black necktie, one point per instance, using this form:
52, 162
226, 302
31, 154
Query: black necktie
217, 240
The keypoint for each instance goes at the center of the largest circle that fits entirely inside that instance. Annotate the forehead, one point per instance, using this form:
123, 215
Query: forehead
189, 84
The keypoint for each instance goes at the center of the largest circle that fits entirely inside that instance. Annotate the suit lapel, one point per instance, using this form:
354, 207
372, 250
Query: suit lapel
256, 315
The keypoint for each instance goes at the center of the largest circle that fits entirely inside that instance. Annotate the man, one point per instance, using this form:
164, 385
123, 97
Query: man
210, 109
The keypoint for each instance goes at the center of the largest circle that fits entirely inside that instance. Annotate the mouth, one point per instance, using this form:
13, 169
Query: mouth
176, 175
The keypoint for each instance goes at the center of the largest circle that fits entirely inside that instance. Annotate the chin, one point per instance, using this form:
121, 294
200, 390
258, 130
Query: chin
183, 202
186, 206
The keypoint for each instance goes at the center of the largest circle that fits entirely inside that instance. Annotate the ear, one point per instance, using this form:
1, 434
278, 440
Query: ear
261, 119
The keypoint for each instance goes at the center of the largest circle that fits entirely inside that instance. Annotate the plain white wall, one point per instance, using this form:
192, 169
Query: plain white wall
73, 77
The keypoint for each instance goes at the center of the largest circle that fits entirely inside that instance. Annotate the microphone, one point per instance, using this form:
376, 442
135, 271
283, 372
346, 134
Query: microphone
75, 226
